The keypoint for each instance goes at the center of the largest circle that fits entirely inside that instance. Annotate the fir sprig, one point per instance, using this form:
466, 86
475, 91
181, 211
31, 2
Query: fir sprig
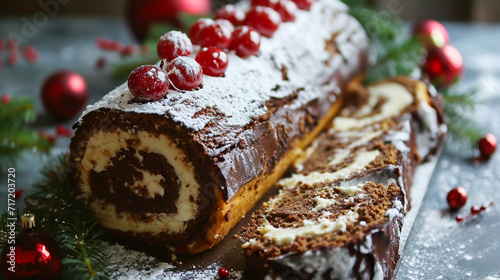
16, 137
398, 53
395, 52
60, 212
464, 132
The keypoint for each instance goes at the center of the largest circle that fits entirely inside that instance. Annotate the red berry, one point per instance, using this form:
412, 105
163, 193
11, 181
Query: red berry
118, 46
18, 193
460, 218
173, 44
476, 209
12, 45
216, 35
213, 61
6, 99
225, 23
61, 130
231, 13
304, 4
53, 174
100, 63
30, 54
184, 73
105, 44
264, 19
51, 138
198, 25
13, 58
223, 273
148, 82
144, 50
432, 34
1, 62
2, 44
286, 8
457, 198
129, 50
245, 40
487, 145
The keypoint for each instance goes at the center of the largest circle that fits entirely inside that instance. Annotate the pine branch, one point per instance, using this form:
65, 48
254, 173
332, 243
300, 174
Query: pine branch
464, 132
396, 53
16, 137
399, 59
60, 212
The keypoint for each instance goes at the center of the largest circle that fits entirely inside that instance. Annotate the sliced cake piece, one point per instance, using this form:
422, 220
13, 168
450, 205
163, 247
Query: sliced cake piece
340, 213
343, 232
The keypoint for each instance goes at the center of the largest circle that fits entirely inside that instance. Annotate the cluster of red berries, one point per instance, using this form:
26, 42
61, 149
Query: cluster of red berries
457, 198
29, 53
231, 29
61, 131
116, 46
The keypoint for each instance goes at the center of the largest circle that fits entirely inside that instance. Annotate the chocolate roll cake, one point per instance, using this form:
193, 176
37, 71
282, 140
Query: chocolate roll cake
182, 171
358, 173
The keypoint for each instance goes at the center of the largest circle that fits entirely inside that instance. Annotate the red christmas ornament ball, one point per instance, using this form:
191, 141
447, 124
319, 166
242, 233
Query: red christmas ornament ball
142, 14
32, 256
64, 94
457, 198
487, 145
444, 65
432, 34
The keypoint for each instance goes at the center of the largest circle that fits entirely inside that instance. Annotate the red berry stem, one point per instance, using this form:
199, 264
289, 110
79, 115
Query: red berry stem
474, 210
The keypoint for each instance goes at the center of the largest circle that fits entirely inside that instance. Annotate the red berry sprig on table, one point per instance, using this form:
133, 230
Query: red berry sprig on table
184, 73
148, 83
174, 44
456, 198
213, 61
474, 210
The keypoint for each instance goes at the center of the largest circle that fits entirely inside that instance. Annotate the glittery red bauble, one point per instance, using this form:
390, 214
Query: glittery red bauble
64, 94
432, 34
142, 14
443, 65
487, 145
33, 256
457, 198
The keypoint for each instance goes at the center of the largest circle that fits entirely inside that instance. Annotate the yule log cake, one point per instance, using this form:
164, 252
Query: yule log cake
340, 214
180, 172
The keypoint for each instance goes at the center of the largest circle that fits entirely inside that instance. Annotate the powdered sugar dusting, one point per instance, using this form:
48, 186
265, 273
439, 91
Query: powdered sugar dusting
126, 264
179, 40
240, 96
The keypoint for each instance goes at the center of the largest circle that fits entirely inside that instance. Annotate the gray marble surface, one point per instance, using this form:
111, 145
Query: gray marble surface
437, 247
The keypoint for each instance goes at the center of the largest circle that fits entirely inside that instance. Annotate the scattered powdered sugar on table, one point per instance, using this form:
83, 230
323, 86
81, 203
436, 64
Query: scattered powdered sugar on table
441, 247
126, 264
